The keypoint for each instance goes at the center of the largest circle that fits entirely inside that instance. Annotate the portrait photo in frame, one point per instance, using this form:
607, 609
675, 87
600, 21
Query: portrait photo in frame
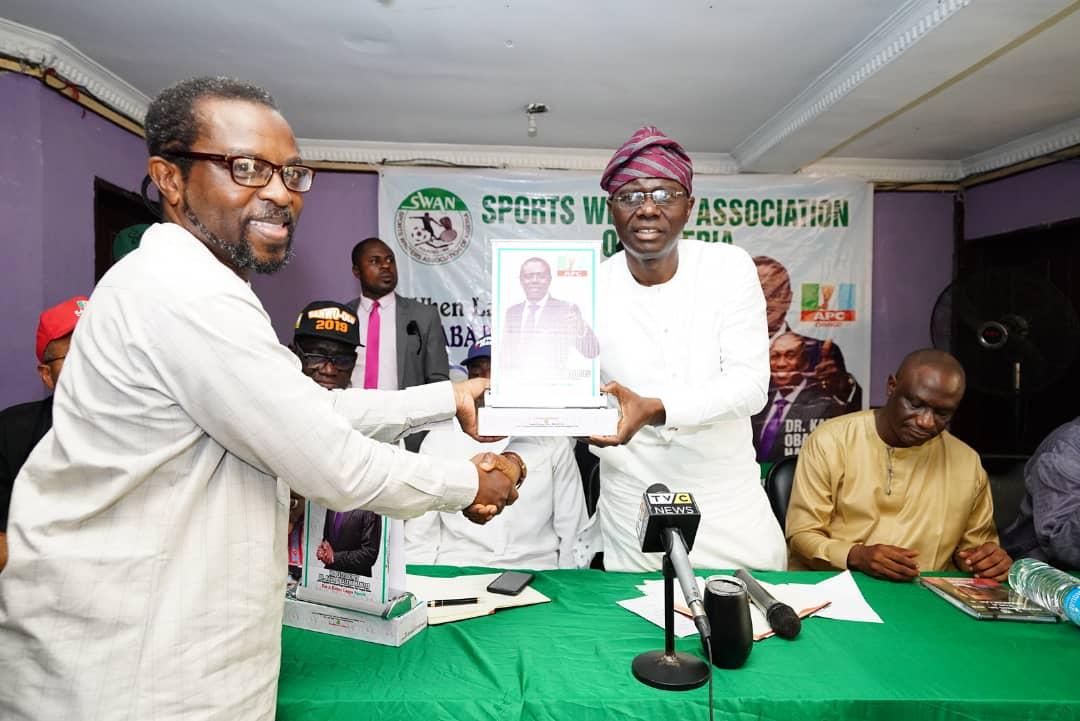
545, 352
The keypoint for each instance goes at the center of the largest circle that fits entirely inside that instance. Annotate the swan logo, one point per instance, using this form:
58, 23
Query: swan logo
433, 225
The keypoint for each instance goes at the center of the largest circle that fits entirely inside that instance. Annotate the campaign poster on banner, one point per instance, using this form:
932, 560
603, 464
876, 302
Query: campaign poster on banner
811, 239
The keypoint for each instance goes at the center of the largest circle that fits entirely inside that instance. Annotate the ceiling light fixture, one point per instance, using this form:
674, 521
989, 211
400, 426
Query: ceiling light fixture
531, 111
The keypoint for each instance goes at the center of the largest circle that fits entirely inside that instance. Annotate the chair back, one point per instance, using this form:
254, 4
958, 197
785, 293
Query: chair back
589, 467
592, 489
778, 483
1006, 475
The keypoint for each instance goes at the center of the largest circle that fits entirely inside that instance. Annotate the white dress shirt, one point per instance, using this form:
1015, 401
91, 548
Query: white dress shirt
530, 314
148, 530
699, 343
388, 375
537, 532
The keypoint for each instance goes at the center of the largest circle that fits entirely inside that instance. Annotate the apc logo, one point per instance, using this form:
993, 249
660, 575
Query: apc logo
565, 268
826, 304
433, 225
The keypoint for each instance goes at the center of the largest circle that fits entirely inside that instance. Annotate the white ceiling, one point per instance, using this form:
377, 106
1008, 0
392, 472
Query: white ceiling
945, 87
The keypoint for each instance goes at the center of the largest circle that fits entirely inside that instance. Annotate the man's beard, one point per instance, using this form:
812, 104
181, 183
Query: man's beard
239, 253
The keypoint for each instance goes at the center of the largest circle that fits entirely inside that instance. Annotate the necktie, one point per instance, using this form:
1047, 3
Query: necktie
339, 518
371, 352
530, 320
772, 430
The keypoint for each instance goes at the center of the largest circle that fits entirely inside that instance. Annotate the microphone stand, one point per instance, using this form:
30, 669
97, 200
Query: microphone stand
669, 669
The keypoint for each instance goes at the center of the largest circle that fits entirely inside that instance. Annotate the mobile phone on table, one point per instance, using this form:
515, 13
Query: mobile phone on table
510, 583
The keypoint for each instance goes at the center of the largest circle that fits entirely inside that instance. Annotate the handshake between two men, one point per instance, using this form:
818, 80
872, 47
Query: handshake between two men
499, 475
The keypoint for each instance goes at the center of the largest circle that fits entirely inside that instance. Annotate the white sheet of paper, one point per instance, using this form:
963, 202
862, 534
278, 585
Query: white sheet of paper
651, 608
848, 603
655, 589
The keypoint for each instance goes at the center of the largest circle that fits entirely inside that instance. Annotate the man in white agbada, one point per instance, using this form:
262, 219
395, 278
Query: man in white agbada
684, 348
147, 553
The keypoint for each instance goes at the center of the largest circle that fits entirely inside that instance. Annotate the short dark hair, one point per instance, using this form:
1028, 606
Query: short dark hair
171, 121
358, 249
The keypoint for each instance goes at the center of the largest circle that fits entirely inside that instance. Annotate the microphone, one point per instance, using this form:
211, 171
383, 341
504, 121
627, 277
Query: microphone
668, 522
413, 329
781, 617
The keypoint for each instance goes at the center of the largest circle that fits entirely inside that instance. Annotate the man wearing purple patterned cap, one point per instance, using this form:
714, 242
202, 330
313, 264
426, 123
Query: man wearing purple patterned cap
685, 349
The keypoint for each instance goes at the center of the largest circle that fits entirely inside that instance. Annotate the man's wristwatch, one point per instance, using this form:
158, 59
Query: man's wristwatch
521, 466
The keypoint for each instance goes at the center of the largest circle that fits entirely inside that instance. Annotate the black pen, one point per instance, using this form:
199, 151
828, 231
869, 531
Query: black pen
451, 602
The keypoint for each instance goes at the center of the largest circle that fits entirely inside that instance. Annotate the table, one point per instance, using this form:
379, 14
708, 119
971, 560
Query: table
570, 659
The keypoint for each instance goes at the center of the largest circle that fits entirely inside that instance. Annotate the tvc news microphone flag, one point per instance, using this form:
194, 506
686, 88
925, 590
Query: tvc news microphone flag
440, 223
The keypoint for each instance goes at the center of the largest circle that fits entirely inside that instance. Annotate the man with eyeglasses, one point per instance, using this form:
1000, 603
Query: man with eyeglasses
325, 339
23, 425
148, 530
684, 349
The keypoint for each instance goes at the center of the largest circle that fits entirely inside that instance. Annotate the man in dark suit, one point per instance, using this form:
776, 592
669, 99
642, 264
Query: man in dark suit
402, 339
796, 403
540, 333
825, 361
351, 541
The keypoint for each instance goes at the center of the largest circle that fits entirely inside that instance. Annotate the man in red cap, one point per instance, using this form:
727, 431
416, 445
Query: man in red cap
22, 426
684, 348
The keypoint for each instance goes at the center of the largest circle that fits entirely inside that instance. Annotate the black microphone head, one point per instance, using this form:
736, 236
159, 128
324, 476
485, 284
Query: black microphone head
662, 508
412, 328
784, 621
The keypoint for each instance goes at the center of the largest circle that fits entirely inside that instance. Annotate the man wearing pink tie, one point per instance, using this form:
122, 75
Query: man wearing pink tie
402, 343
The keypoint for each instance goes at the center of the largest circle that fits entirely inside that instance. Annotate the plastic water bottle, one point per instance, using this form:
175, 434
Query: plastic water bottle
1052, 589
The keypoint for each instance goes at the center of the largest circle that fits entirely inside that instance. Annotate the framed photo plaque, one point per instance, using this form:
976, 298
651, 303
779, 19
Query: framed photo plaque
545, 355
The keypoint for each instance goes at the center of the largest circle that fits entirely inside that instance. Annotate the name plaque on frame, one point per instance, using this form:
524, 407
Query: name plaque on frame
545, 352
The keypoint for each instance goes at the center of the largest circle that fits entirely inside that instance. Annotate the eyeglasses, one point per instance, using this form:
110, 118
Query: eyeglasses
253, 172
46, 361
636, 198
316, 360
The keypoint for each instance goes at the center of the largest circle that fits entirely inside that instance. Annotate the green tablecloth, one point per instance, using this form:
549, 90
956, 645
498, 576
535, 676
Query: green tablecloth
570, 659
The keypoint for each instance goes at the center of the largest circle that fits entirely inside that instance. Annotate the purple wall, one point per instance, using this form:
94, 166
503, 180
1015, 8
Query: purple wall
50, 151
340, 211
22, 180
1037, 197
913, 261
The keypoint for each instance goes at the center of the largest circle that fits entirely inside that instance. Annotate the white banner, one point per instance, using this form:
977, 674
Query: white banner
818, 234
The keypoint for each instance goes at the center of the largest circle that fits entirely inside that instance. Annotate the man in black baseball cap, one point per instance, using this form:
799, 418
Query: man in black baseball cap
325, 339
